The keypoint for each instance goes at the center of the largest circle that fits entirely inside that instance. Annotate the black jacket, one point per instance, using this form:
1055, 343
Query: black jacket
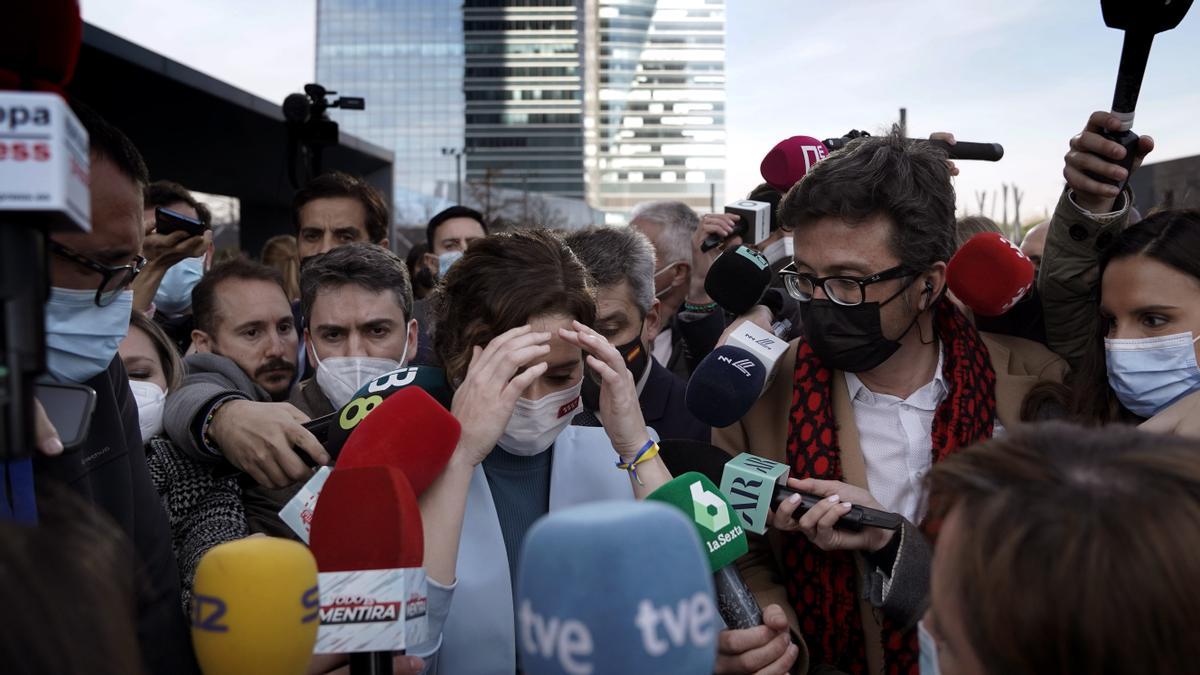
692, 341
109, 470
664, 410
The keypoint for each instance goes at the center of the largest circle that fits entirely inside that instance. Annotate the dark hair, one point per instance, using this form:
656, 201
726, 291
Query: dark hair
907, 182
446, 214
1170, 237
166, 193
108, 142
1074, 548
969, 226
204, 295
368, 265
338, 184
421, 276
766, 193
69, 591
500, 283
168, 353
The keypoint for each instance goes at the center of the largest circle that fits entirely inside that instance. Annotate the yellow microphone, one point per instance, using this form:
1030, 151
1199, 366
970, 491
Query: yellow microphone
255, 608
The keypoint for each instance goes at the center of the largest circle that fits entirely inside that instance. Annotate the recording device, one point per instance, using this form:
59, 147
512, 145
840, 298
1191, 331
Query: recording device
369, 545
310, 129
409, 432
738, 278
167, 221
989, 274
70, 408
790, 160
44, 171
755, 485
255, 608
723, 539
727, 383
753, 223
987, 152
1141, 21
370, 396
615, 587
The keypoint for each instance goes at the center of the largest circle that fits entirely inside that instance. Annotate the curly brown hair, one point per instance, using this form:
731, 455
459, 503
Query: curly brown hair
501, 282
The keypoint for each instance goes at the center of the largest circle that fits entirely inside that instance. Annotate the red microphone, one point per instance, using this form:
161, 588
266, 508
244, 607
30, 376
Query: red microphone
989, 274
409, 431
369, 545
40, 45
790, 159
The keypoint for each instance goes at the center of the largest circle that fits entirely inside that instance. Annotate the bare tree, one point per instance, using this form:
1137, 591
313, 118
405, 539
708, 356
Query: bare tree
1004, 186
1017, 196
994, 200
981, 198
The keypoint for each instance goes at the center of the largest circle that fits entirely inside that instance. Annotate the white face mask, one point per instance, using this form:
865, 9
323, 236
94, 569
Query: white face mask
535, 424
340, 377
668, 289
779, 249
150, 401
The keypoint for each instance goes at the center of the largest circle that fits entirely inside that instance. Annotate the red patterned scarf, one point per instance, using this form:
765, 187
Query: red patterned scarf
823, 586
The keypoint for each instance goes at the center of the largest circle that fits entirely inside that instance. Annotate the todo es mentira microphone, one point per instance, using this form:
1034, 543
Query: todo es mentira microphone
615, 587
755, 485
1141, 20
987, 152
723, 539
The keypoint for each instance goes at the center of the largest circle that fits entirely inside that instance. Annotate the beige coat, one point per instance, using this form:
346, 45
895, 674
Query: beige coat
1019, 364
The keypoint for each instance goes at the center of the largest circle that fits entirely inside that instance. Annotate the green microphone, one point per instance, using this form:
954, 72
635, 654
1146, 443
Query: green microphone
723, 539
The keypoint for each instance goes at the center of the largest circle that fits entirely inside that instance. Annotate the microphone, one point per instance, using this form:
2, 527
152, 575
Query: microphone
989, 274
737, 279
790, 160
726, 384
724, 541
409, 432
615, 587
431, 380
369, 545
755, 485
987, 152
254, 608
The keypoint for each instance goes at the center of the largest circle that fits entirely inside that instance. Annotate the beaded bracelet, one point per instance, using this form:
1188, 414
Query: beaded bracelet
648, 452
706, 308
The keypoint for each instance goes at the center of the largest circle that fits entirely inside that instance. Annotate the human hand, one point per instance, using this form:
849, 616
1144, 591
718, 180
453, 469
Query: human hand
948, 138
45, 435
620, 410
497, 376
1091, 152
165, 250
818, 523
264, 439
759, 315
722, 225
762, 650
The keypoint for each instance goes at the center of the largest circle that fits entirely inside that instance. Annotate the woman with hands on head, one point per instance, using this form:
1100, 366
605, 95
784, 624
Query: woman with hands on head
512, 331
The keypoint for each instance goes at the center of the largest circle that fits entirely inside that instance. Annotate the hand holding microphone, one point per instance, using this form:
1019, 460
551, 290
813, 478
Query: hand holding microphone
820, 522
1093, 155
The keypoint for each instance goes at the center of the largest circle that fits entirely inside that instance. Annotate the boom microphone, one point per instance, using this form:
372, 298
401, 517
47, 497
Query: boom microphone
615, 587
989, 274
987, 152
755, 485
737, 279
369, 545
724, 541
254, 607
790, 160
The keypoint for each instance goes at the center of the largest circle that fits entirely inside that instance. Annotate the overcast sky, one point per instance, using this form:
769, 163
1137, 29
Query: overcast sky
1024, 73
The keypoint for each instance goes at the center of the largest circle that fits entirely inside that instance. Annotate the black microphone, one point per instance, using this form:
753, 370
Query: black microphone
987, 152
737, 279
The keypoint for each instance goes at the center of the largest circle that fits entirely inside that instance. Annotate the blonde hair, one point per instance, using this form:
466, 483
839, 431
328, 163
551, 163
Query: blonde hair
282, 253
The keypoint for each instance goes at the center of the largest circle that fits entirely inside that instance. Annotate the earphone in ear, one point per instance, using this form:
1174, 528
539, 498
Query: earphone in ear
928, 286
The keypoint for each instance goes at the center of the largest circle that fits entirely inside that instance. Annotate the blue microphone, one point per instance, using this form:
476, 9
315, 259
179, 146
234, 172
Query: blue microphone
615, 587
725, 385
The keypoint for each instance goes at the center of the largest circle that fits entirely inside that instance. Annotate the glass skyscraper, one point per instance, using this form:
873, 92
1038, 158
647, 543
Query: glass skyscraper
405, 57
611, 101
655, 103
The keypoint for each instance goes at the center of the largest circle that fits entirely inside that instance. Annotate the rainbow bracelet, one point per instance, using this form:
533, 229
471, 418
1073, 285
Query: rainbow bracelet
648, 452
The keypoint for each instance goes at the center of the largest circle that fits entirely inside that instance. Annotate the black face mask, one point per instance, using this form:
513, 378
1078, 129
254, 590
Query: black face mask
850, 338
637, 359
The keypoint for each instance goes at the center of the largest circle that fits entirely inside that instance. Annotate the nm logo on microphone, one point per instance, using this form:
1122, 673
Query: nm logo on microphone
743, 365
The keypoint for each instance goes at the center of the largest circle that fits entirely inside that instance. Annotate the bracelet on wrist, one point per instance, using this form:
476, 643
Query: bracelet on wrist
703, 308
648, 452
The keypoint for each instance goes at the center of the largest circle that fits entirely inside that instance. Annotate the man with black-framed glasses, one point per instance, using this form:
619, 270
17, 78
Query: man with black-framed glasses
86, 317
888, 379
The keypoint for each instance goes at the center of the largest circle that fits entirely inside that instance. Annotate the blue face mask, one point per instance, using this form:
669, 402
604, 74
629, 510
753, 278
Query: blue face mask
446, 261
174, 294
1149, 374
81, 338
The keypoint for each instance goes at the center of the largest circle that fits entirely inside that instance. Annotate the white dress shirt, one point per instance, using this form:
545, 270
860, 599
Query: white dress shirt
664, 345
896, 436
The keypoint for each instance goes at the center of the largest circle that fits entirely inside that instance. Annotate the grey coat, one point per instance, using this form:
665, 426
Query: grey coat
209, 379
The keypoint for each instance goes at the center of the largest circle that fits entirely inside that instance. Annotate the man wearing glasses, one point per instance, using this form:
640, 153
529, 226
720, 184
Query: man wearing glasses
87, 316
888, 379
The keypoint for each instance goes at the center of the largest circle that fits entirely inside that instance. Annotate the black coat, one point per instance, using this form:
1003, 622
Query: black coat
664, 409
109, 470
